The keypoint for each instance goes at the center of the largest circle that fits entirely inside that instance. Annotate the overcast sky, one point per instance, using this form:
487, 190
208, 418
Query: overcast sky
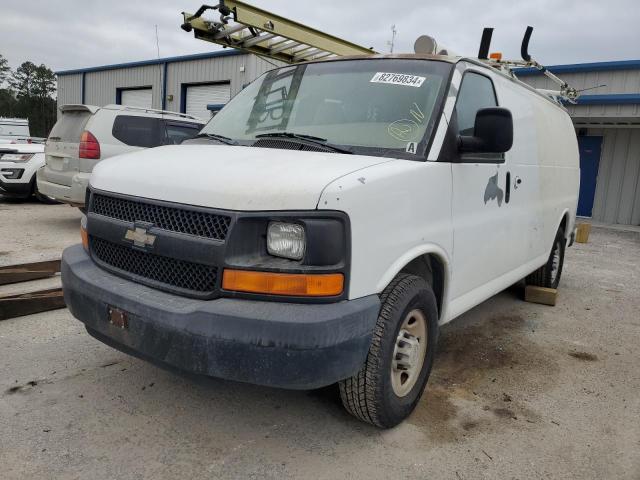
74, 34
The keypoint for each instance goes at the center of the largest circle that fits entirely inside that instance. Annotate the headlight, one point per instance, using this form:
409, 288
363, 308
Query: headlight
16, 157
286, 240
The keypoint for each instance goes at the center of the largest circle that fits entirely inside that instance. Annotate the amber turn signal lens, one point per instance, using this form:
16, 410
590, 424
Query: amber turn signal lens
291, 284
85, 238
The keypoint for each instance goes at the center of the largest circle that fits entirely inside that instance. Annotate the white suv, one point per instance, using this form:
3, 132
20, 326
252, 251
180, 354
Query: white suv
86, 134
19, 163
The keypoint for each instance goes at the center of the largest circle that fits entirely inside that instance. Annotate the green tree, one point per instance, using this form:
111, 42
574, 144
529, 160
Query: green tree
4, 69
44, 82
43, 88
8, 103
32, 96
22, 81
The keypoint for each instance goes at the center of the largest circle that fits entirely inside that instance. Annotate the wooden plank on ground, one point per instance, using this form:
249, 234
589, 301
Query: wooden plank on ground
21, 304
582, 232
545, 296
28, 271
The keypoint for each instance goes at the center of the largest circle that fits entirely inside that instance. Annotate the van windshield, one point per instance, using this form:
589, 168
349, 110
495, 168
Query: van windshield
375, 107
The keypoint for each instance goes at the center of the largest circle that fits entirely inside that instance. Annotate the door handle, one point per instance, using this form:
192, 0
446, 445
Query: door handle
517, 182
507, 193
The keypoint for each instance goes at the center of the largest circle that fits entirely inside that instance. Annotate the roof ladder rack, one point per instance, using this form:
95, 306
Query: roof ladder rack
257, 31
565, 93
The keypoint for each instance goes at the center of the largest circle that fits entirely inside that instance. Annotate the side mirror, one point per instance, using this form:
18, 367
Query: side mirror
492, 132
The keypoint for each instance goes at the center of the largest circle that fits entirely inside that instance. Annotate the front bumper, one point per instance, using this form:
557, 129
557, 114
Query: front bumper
73, 195
297, 346
21, 188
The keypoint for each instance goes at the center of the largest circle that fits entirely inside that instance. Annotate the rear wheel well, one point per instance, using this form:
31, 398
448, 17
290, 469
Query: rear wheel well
430, 267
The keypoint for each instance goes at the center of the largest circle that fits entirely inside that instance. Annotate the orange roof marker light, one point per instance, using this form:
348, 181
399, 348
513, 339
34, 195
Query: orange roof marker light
497, 56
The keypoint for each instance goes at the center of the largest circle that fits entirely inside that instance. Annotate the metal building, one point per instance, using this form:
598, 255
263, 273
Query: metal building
194, 84
607, 118
607, 121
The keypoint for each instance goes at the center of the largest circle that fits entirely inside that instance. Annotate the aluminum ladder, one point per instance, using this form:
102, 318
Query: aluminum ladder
262, 33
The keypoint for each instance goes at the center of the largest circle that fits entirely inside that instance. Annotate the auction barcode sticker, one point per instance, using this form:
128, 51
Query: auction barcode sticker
398, 79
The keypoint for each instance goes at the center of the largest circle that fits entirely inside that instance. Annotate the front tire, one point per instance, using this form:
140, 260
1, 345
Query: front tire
549, 274
389, 385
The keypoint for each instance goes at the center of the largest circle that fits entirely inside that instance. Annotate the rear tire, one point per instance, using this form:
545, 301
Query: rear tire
389, 385
549, 274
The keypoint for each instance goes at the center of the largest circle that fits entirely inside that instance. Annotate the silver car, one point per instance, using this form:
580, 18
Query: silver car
85, 134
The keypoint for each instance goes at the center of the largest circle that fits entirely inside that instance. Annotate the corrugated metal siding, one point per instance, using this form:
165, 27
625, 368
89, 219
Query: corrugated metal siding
199, 96
69, 89
621, 81
100, 87
225, 69
617, 197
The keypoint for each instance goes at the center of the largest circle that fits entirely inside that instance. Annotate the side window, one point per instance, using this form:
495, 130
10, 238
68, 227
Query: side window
177, 132
476, 92
138, 131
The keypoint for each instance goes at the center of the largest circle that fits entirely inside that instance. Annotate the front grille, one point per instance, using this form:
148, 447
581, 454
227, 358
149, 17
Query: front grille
170, 273
201, 224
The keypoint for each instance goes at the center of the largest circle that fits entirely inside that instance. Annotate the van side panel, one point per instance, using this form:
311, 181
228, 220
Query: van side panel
545, 150
500, 240
524, 164
559, 168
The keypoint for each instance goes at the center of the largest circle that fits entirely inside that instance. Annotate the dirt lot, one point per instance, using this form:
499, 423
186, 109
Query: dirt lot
518, 391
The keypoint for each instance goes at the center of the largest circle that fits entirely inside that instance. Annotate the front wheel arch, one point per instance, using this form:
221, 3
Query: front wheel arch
429, 262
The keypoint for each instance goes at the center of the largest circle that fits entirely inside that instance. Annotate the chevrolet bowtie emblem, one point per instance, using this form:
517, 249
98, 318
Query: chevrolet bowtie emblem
140, 237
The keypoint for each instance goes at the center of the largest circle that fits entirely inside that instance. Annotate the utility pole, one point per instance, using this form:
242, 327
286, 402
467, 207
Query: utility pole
157, 42
393, 38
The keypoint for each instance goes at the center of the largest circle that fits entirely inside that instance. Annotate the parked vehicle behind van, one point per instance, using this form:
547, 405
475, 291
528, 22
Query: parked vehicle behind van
14, 130
326, 222
19, 163
86, 134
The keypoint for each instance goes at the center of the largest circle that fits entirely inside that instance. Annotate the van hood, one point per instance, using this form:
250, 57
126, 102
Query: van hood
227, 177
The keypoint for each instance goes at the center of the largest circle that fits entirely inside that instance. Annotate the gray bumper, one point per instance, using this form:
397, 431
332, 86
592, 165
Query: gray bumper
298, 346
73, 194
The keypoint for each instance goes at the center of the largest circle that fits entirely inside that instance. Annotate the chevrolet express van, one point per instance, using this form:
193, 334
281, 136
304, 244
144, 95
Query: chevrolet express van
325, 224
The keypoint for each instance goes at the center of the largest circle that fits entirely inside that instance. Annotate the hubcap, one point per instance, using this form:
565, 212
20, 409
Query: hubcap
409, 353
555, 263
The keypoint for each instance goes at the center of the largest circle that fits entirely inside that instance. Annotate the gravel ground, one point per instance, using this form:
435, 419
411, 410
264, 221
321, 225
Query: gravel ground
518, 391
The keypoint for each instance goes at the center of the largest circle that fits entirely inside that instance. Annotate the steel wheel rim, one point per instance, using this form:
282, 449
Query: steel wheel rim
555, 263
409, 353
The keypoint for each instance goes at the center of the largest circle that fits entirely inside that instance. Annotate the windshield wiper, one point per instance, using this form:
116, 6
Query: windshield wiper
219, 138
309, 138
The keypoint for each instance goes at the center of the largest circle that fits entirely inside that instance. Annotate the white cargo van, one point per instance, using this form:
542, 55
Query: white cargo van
86, 134
326, 222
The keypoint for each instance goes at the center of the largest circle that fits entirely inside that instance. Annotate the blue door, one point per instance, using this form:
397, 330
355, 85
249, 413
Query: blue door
589, 160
